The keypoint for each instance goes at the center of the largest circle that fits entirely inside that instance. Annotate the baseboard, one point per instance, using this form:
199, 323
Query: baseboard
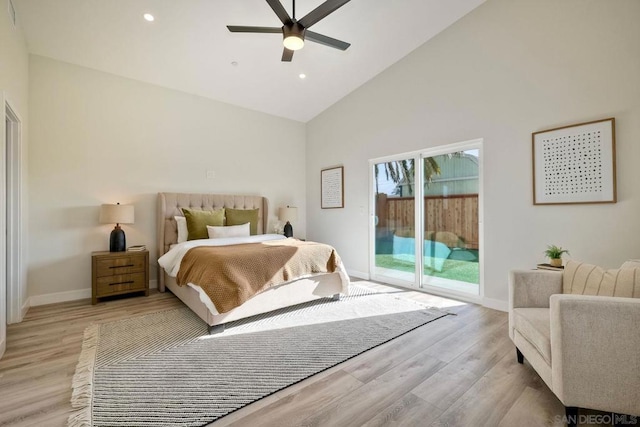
25, 308
56, 297
66, 296
496, 304
358, 274
3, 347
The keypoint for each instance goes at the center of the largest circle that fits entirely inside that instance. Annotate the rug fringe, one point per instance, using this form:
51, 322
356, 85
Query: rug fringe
82, 383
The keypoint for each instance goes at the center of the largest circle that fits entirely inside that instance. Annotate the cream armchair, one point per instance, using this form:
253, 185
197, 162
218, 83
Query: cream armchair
585, 348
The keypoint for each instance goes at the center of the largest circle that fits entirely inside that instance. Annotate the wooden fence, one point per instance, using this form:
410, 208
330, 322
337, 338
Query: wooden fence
456, 214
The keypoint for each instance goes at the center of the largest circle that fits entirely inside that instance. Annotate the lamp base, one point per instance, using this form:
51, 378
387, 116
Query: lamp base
288, 230
117, 240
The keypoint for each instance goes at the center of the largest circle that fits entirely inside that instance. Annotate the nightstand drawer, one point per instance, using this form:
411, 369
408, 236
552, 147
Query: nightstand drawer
118, 273
121, 283
120, 265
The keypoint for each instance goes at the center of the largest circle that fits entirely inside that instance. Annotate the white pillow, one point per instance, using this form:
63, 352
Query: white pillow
183, 233
216, 232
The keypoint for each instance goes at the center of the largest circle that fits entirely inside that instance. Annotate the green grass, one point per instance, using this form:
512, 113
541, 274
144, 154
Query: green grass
464, 271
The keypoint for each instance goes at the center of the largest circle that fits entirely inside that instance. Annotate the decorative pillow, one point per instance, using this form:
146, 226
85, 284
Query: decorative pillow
229, 231
197, 221
242, 216
586, 279
183, 232
632, 263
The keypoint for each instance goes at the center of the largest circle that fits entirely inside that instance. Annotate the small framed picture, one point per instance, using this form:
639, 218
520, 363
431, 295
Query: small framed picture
332, 188
575, 164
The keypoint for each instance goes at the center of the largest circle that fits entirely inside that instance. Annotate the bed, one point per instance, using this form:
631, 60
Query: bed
291, 293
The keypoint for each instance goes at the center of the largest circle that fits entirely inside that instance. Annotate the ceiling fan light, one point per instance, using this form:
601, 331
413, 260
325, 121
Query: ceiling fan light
293, 42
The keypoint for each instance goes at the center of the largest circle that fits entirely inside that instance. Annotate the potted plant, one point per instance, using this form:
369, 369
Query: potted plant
554, 253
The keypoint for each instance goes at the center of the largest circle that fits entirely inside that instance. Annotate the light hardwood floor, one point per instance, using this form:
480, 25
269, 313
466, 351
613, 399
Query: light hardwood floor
460, 370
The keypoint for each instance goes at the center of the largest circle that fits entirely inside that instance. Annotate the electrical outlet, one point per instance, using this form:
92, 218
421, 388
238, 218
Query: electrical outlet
211, 174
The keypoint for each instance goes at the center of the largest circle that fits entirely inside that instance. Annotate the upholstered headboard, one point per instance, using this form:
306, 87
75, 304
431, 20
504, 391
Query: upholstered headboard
170, 204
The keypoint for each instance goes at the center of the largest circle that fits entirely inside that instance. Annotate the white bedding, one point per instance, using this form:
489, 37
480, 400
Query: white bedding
170, 261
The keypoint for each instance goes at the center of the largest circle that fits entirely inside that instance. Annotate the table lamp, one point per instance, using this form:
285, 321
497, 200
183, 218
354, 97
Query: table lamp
288, 214
117, 214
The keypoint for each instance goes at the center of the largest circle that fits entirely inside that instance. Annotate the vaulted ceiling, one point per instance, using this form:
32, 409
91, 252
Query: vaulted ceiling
188, 47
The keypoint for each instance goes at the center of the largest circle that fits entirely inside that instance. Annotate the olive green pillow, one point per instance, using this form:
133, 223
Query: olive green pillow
242, 216
197, 221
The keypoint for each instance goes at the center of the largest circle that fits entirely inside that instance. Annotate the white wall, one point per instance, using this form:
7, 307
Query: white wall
98, 138
509, 68
14, 83
14, 63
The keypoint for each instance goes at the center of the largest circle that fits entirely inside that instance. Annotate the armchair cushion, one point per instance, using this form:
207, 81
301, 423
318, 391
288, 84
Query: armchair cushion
586, 279
533, 325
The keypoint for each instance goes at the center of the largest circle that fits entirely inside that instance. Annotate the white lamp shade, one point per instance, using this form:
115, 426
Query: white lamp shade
116, 214
288, 214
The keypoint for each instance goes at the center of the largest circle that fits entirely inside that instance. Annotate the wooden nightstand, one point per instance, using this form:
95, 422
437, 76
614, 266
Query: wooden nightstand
117, 273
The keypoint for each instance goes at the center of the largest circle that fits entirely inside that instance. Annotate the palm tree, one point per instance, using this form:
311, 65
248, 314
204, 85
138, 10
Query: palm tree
403, 171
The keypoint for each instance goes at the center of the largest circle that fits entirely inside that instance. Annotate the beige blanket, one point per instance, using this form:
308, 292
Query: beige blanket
230, 275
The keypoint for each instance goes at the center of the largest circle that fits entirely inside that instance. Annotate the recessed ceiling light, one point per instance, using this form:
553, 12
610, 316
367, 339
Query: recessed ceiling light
148, 17
302, 75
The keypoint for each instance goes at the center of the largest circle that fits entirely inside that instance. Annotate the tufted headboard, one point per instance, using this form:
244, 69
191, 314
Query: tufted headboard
169, 205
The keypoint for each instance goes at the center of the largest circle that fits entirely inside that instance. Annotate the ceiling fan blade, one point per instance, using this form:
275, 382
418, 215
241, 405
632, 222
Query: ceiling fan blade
280, 11
287, 55
321, 11
326, 40
243, 29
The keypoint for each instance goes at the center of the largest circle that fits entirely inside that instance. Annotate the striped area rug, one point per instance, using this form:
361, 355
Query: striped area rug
164, 369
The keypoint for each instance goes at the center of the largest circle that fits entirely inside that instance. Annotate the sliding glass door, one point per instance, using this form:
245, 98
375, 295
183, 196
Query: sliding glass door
394, 254
451, 221
426, 219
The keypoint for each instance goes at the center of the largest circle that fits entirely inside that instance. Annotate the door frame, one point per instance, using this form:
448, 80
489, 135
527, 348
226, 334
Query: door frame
4, 296
14, 185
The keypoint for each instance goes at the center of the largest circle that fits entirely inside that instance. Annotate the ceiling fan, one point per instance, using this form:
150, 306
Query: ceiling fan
294, 32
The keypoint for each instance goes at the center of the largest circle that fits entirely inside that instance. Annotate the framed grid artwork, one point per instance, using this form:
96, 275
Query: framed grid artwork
332, 188
575, 164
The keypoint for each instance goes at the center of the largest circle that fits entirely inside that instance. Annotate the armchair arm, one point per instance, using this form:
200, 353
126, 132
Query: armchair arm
595, 352
532, 288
